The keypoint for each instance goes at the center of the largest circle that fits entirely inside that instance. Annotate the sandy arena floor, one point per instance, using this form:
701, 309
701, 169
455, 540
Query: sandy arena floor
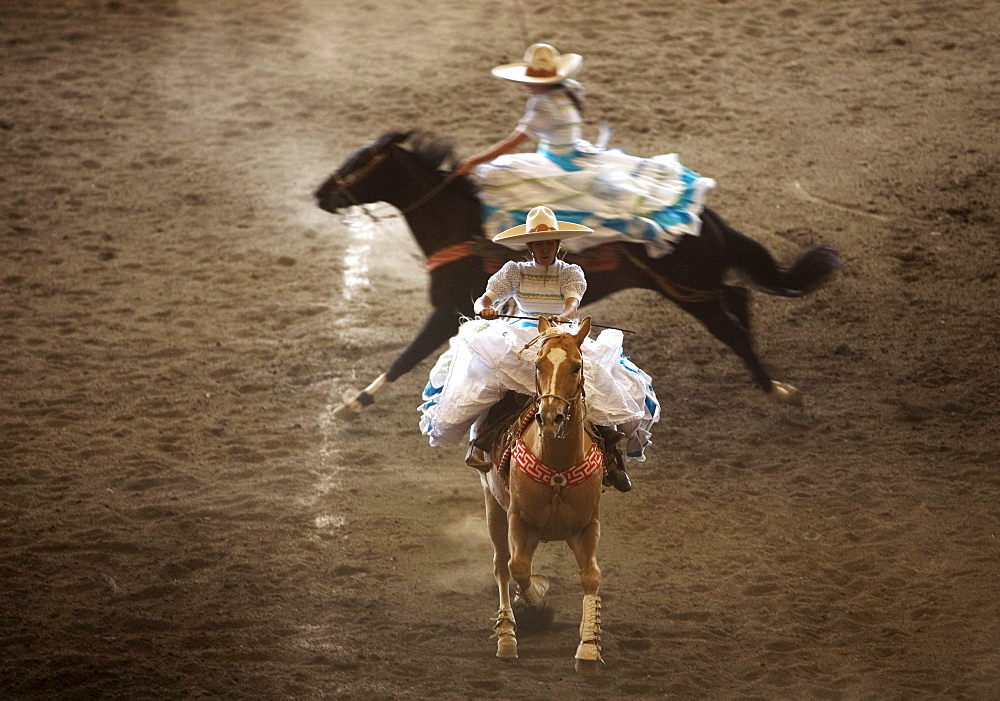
180, 515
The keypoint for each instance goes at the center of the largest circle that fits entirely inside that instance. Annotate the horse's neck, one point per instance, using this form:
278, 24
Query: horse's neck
436, 227
447, 218
404, 183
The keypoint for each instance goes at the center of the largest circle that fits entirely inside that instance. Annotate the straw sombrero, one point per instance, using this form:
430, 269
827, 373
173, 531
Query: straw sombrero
542, 225
541, 64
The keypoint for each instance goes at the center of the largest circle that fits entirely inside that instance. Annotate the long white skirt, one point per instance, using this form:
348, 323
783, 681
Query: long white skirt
654, 201
487, 358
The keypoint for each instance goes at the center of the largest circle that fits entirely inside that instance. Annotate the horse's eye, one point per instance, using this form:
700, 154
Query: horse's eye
576, 369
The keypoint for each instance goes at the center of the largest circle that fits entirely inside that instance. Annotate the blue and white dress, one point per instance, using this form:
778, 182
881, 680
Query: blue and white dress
654, 201
487, 358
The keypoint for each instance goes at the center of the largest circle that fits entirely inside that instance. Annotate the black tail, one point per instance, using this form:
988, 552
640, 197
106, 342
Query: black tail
810, 271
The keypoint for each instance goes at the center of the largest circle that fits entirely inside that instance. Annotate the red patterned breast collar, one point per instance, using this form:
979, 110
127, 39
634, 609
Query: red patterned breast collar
532, 466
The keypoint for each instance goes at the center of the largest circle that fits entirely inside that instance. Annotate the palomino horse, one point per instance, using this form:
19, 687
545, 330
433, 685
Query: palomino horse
444, 214
553, 492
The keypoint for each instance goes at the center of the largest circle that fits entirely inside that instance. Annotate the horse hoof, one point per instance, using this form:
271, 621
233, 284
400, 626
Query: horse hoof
588, 658
351, 407
536, 591
346, 412
786, 393
541, 584
507, 648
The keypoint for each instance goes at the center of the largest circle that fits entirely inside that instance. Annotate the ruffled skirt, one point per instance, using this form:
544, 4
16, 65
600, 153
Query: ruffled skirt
487, 358
654, 201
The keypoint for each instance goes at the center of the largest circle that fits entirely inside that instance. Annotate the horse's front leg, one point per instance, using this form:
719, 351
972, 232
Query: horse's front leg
506, 627
441, 325
355, 401
523, 542
584, 547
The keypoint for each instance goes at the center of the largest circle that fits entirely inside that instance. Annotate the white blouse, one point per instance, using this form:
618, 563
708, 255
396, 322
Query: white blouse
537, 289
552, 119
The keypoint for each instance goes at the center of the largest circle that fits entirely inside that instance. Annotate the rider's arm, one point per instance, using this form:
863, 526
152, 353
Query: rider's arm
499, 288
569, 310
515, 139
572, 286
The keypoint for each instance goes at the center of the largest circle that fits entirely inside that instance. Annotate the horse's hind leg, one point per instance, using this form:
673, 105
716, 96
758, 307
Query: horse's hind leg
725, 327
584, 547
738, 303
505, 628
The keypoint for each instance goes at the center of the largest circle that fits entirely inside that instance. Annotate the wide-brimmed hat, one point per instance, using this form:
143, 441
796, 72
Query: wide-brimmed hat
541, 64
542, 225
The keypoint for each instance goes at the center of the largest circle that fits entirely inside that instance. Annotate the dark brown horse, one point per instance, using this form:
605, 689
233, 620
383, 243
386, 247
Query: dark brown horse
444, 215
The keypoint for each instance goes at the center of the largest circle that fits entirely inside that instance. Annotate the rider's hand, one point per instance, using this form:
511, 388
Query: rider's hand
560, 319
464, 167
489, 313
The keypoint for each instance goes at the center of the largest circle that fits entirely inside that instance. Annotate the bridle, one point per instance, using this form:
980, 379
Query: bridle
343, 185
568, 403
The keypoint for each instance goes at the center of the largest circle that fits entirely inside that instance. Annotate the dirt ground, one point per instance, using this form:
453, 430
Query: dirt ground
181, 516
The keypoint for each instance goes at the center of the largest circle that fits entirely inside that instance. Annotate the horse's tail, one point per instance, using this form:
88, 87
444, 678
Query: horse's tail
810, 271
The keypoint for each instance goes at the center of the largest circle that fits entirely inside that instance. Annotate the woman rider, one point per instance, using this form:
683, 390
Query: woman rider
488, 358
652, 201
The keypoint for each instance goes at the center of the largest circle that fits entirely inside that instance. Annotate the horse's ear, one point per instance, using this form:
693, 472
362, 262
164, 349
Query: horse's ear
390, 138
543, 324
584, 331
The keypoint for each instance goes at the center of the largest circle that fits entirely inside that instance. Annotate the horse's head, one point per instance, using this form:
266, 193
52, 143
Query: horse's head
356, 181
559, 376
407, 176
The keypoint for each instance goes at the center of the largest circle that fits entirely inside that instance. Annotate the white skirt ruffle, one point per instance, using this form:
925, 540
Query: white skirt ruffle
487, 358
654, 201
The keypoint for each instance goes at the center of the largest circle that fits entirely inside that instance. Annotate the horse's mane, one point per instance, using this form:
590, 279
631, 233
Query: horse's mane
430, 149
432, 152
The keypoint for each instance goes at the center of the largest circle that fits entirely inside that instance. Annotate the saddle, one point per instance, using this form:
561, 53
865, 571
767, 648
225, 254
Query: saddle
505, 423
497, 432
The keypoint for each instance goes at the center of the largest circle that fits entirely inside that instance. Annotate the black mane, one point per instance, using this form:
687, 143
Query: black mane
433, 151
